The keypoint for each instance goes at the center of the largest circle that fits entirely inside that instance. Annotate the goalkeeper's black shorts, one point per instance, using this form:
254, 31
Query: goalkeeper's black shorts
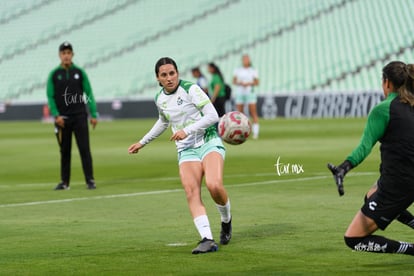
384, 205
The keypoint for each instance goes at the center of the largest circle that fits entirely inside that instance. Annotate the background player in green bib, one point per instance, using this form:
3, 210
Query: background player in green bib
392, 124
187, 108
217, 89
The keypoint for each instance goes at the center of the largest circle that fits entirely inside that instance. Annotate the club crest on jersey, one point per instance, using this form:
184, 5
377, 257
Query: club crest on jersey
179, 101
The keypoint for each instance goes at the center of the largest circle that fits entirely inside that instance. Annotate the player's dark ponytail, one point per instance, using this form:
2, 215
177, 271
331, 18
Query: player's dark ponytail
407, 90
216, 70
401, 76
409, 82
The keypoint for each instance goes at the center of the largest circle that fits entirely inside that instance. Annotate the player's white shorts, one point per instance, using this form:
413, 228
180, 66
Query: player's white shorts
245, 97
198, 154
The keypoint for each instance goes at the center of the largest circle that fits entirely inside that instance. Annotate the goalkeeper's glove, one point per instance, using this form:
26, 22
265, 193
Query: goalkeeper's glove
339, 173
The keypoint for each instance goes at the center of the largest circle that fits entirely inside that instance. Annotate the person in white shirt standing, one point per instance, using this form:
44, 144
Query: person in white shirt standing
192, 116
246, 78
201, 79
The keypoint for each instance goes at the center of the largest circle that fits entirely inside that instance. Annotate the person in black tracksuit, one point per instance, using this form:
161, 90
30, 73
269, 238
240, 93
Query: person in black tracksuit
391, 123
68, 93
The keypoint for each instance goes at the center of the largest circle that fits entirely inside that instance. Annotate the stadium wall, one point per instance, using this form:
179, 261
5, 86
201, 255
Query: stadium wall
292, 105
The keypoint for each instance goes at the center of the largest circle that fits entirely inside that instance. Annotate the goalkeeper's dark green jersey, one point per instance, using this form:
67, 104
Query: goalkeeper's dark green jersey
391, 123
68, 91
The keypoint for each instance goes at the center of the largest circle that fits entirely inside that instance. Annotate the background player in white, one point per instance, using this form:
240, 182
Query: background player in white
245, 78
187, 108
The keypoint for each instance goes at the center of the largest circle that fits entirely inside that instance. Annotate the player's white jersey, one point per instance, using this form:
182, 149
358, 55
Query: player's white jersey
245, 75
181, 109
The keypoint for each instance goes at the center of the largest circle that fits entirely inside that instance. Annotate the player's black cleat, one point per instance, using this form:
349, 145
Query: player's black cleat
205, 246
62, 186
225, 233
91, 185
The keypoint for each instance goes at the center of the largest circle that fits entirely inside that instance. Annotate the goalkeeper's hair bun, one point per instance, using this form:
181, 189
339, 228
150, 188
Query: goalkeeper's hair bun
401, 76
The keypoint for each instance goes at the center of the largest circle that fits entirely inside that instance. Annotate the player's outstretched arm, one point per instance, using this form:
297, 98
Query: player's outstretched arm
339, 173
134, 148
157, 129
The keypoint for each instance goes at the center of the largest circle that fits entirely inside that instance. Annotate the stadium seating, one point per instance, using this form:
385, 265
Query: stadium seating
331, 45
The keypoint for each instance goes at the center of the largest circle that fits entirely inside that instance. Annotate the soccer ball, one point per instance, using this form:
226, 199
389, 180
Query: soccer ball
234, 128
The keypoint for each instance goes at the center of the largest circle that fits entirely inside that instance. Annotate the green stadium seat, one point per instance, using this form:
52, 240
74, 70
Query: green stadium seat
295, 45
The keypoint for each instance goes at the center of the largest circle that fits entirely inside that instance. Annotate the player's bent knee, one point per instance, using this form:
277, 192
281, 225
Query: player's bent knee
352, 242
215, 189
214, 192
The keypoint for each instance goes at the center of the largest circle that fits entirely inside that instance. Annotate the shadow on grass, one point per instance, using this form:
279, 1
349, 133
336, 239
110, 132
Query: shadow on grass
259, 231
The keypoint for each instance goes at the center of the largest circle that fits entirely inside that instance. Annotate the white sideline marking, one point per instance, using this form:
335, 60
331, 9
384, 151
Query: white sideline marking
89, 198
171, 191
177, 244
158, 179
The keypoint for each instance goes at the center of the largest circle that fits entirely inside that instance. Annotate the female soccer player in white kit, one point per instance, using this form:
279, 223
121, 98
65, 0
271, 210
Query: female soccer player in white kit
192, 116
245, 78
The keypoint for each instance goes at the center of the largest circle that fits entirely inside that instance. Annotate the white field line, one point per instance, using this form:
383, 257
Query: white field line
158, 179
89, 198
268, 182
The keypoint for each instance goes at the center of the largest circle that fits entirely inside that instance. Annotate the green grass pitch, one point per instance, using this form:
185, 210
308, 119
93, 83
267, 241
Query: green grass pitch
137, 221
